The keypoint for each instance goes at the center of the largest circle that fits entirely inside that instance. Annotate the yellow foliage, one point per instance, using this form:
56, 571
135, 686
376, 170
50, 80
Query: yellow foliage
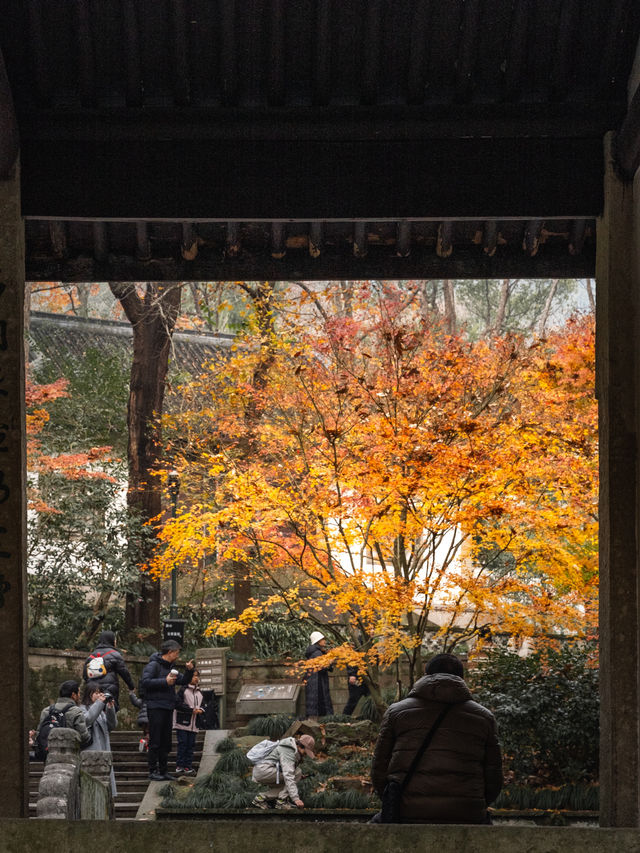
395, 474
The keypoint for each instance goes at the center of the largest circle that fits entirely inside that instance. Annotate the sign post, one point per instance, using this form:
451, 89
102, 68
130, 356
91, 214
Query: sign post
173, 629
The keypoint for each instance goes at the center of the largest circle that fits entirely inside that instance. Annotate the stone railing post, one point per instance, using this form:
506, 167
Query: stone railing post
96, 800
59, 789
75, 785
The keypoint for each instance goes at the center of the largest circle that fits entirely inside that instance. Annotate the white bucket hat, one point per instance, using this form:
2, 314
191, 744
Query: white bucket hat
316, 637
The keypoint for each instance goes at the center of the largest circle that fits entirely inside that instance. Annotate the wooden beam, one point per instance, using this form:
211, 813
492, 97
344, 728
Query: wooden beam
278, 240
490, 237
227, 48
322, 54
100, 242
516, 57
570, 120
276, 66
39, 53
403, 239
561, 69
131, 39
143, 245
233, 240
418, 54
371, 49
531, 239
468, 261
578, 232
467, 50
85, 52
9, 142
626, 145
182, 90
610, 58
360, 245
315, 239
495, 179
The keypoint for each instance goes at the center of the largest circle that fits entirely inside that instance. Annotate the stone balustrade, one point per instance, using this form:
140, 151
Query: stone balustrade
75, 784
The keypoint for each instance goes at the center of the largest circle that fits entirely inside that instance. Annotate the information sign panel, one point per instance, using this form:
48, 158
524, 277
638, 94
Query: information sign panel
212, 665
281, 698
173, 629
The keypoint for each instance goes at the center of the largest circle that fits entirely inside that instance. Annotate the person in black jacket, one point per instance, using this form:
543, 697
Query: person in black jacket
158, 681
460, 773
357, 689
104, 665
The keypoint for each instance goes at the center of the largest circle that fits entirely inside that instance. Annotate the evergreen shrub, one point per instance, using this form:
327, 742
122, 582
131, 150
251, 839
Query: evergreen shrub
547, 709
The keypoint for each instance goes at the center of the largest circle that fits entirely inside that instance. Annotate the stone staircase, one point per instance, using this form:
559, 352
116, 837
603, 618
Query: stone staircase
132, 774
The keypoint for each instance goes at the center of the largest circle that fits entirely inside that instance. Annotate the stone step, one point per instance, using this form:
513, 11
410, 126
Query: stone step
129, 797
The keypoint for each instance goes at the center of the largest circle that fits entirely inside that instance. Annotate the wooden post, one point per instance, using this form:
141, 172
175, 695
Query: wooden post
13, 549
618, 281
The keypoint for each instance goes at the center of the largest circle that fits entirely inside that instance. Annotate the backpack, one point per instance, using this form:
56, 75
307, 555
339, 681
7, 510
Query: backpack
54, 719
261, 750
96, 666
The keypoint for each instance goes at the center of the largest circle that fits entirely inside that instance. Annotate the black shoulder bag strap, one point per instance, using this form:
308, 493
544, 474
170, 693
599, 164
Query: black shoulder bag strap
434, 728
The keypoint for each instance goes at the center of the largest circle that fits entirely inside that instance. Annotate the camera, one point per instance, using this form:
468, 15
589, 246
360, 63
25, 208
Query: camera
174, 672
108, 697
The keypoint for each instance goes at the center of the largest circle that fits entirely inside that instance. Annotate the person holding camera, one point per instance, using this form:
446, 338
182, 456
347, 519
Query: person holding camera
100, 716
158, 682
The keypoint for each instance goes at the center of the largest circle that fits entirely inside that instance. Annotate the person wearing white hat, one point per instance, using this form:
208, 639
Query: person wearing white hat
318, 696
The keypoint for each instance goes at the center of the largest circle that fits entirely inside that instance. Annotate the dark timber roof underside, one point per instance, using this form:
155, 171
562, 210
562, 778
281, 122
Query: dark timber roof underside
284, 118
205, 251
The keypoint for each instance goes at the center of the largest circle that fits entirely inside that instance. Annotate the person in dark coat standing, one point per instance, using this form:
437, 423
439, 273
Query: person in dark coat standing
158, 681
104, 665
357, 689
318, 697
460, 773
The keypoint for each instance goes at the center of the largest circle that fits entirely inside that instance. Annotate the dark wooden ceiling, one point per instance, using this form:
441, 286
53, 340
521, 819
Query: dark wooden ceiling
314, 138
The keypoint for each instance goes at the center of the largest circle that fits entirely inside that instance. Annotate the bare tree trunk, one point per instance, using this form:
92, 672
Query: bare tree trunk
428, 300
450, 322
152, 317
261, 294
347, 299
592, 301
547, 307
505, 293
83, 299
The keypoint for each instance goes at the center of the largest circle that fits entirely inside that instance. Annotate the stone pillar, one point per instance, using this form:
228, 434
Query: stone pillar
59, 789
618, 283
13, 734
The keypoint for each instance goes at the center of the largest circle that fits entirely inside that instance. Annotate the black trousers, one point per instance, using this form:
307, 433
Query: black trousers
160, 734
355, 692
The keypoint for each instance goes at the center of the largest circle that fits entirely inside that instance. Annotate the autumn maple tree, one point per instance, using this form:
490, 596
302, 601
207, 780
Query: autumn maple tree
397, 480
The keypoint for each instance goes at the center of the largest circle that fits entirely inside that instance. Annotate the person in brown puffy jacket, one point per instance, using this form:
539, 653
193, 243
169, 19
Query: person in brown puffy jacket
460, 773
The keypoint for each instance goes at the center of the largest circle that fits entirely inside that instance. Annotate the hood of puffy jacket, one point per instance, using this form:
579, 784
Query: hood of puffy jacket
156, 656
107, 638
441, 687
290, 743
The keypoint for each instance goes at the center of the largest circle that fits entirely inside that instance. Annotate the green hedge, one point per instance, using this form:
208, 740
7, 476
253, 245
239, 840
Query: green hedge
547, 708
